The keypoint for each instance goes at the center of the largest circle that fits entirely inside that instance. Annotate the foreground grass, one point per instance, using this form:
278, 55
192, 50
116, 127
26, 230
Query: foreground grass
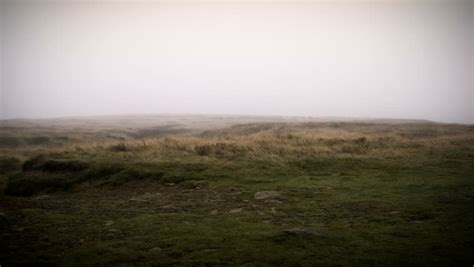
342, 194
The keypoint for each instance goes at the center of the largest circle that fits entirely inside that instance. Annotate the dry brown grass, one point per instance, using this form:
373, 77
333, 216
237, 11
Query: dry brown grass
257, 140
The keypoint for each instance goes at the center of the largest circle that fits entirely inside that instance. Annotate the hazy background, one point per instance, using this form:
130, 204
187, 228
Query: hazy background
390, 59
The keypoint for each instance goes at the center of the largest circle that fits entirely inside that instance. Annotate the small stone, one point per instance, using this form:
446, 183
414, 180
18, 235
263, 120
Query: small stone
266, 194
155, 249
214, 212
109, 223
239, 210
273, 210
394, 212
170, 184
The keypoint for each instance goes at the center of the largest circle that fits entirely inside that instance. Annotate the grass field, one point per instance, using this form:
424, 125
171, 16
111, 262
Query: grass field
197, 190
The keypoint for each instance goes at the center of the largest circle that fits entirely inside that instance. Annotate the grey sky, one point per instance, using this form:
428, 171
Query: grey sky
385, 59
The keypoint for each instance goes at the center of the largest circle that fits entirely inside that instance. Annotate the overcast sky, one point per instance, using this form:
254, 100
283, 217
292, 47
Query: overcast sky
384, 59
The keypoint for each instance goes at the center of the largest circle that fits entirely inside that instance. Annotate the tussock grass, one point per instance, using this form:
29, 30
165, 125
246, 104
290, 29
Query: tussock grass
273, 143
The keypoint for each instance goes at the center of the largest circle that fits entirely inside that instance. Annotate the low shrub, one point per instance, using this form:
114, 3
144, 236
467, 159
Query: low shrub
33, 163
42, 174
63, 166
27, 184
9, 164
39, 163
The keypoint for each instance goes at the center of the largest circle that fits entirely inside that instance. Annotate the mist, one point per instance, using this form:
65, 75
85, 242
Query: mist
384, 59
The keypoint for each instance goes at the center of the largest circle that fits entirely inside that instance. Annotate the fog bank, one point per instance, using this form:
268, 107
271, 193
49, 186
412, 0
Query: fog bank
385, 59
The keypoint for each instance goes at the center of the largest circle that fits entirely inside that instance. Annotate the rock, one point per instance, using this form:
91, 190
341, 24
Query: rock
297, 232
266, 194
239, 210
273, 210
394, 212
155, 249
214, 212
109, 223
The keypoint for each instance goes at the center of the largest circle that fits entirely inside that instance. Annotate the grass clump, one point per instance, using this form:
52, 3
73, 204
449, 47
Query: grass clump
120, 147
220, 149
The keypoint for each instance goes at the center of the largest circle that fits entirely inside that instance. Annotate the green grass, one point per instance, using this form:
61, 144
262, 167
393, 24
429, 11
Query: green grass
355, 199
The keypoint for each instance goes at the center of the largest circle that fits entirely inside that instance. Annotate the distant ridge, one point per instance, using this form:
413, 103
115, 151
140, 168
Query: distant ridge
259, 118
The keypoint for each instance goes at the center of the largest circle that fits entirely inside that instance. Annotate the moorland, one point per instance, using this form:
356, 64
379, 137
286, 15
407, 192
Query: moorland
230, 190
